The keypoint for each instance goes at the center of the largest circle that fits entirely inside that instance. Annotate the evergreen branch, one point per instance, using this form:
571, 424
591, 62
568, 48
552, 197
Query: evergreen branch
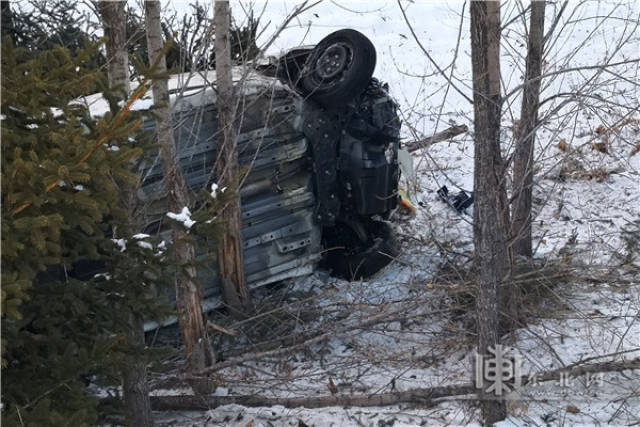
138, 93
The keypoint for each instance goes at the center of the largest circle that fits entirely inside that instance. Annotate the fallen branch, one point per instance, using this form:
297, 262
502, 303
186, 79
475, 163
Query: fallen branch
381, 318
280, 346
421, 396
276, 343
448, 133
300, 337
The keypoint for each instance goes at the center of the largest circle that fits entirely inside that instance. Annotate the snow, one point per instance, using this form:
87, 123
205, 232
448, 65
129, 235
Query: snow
426, 341
56, 112
96, 103
145, 245
142, 104
184, 217
121, 243
140, 236
221, 391
113, 148
188, 90
214, 190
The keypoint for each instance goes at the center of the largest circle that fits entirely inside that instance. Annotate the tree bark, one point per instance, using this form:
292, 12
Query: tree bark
115, 29
230, 262
526, 134
489, 227
134, 374
6, 26
188, 294
135, 387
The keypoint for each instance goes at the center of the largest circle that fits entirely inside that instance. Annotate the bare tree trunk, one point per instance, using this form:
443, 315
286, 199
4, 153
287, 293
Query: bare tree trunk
526, 134
188, 294
135, 387
134, 374
115, 29
234, 287
489, 227
6, 26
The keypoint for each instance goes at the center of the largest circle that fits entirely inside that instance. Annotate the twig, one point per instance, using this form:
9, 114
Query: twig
384, 317
429, 57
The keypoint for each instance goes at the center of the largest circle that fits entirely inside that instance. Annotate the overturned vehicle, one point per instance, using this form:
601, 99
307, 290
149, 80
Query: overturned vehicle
319, 139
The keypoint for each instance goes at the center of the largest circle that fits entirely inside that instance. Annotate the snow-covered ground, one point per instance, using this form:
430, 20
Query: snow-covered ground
584, 200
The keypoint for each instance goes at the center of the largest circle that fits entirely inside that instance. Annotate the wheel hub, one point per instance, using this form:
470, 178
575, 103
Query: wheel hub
333, 61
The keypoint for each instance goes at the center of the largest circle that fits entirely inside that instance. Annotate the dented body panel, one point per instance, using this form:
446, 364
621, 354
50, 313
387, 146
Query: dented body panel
280, 237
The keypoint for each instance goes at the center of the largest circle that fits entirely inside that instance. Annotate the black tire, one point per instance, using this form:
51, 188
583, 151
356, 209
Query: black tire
350, 258
339, 68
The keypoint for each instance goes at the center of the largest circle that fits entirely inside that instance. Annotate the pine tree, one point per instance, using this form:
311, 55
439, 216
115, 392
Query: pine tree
39, 25
62, 222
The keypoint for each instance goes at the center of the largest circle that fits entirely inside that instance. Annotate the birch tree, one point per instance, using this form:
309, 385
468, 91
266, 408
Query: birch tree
230, 261
489, 227
114, 23
188, 294
523, 157
134, 375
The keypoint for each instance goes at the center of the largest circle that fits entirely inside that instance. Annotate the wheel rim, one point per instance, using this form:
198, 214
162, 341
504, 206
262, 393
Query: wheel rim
333, 62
